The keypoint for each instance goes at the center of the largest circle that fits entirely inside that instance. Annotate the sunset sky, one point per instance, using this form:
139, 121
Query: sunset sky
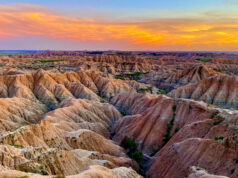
210, 25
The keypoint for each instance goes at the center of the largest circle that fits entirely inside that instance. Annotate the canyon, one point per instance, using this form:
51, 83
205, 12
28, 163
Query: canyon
118, 115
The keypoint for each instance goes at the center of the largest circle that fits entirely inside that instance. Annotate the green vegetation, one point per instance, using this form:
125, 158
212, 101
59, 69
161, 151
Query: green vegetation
217, 122
174, 108
213, 115
16, 146
200, 71
204, 59
198, 169
219, 138
60, 176
176, 130
131, 146
170, 126
143, 90
12, 53
8, 54
137, 156
52, 60
121, 77
43, 171
123, 113
21, 177
223, 70
120, 54
133, 76
102, 101
162, 91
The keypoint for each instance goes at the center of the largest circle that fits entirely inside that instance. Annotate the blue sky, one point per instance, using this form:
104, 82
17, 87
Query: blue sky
135, 6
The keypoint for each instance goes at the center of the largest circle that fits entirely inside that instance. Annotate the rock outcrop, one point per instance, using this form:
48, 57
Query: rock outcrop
153, 114
71, 113
67, 140
197, 172
179, 133
17, 112
52, 88
173, 80
91, 172
219, 90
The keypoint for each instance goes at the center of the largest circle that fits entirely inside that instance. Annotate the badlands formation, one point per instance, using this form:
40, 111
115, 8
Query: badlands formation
118, 115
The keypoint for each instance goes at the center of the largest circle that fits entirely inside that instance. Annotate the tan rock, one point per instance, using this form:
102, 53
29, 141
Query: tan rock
219, 90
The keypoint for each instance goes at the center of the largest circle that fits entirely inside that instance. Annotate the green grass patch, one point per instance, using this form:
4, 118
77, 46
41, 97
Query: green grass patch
137, 156
52, 60
121, 77
59, 176
217, 122
143, 90
43, 171
133, 76
213, 115
204, 59
131, 146
123, 113
102, 101
170, 126
16, 146
161, 91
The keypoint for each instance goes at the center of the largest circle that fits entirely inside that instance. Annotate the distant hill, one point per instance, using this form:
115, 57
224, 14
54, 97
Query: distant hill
17, 52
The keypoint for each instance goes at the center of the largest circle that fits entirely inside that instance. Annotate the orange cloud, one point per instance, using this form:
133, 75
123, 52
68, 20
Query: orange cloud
179, 33
41, 23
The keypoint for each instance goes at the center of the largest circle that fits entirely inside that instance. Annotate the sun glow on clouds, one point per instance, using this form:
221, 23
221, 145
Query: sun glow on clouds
180, 34
43, 23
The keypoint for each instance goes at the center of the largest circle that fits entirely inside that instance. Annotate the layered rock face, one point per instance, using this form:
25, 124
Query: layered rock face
51, 88
173, 80
192, 75
99, 114
153, 114
201, 173
179, 134
92, 172
218, 90
117, 62
115, 68
55, 161
17, 112
69, 139
66, 141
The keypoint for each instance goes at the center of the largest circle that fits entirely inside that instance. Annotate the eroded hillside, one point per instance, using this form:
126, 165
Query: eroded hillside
118, 114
